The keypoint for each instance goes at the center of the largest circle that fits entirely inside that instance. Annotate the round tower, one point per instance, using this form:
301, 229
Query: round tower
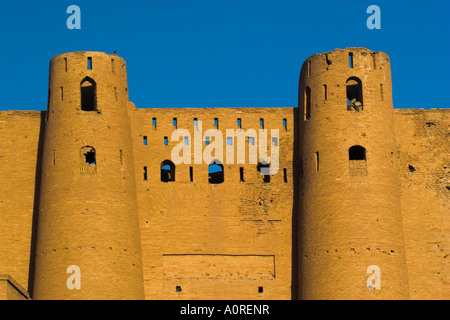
88, 243
351, 242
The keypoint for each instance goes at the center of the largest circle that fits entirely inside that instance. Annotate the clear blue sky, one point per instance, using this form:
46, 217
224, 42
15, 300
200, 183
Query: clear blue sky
223, 53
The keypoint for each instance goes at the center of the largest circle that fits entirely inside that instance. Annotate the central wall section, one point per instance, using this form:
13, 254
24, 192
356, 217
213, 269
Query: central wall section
202, 240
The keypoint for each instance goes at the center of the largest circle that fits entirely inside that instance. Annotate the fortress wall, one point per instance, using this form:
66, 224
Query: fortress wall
423, 139
19, 145
214, 241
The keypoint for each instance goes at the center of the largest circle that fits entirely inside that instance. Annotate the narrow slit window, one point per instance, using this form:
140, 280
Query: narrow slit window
120, 157
113, 67
154, 123
89, 63
325, 93
260, 290
195, 123
261, 123
241, 174
175, 122
54, 157
166, 141
317, 161
216, 123
65, 64
239, 123
145, 173
191, 174
285, 123
285, 175
62, 94
350, 59
307, 103
145, 140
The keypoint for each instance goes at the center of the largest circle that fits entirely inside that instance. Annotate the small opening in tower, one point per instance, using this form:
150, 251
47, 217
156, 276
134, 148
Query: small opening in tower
216, 123
191, 174
175, 122
166, 141
357, 161
241, 174
264, 168
307, 102
167, 171
261, 123
215, 172
327, 60
350, 59
239, 123
87, 158
195, 123
62, 93
285, 175
354, 94
113, 67
325, 93
65, 64
88, 95
411, 168
285, 123
357, 153
145, 173
145, 140
260, 289
178, 289
89, 63
154, 123
120, 157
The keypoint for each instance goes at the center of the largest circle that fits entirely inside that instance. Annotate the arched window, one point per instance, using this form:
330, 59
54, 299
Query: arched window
215, 172
88, 95
354, 94
307, 102
167, 171
266, 177
88, 160
357, 161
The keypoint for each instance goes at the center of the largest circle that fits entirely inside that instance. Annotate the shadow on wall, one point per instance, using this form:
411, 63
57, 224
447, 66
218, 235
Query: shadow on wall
37, 187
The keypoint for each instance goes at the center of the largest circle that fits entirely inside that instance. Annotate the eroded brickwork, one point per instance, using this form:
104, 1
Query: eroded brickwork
358, 184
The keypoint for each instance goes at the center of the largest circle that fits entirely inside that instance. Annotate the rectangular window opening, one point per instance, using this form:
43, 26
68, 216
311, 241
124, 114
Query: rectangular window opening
260, 289
325, 92
285, 123
62, 94
154, 123
216, 123
145, 173
145, 140
241, 174
195, 123
166, 141
239, 123
285, 175
175, 122
89, 63
350, 59
191, 174
65, 64
261, 123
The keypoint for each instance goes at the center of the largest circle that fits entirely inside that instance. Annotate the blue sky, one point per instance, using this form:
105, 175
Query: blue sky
244, 53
